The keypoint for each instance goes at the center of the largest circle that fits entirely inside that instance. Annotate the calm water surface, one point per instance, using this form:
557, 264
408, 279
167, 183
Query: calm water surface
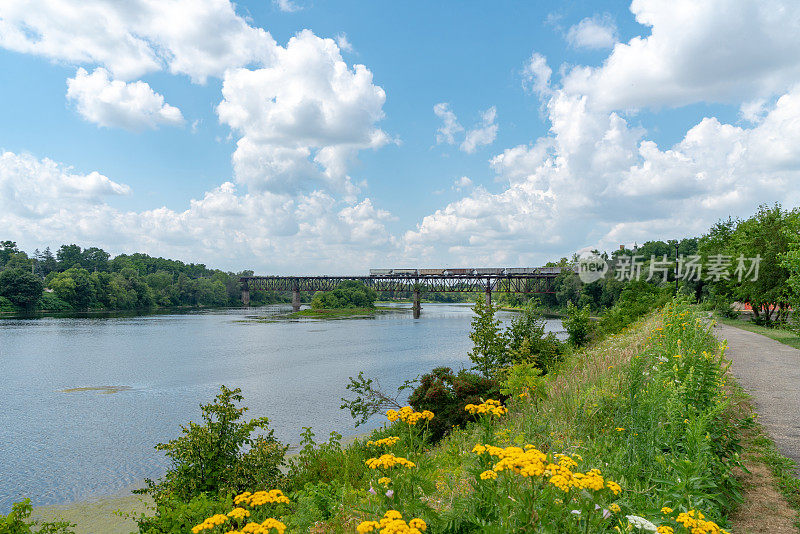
58, 446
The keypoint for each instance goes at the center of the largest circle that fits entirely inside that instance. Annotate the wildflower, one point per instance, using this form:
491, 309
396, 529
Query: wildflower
641, 522
490, 407
389, 460
614, 507
664, 529
210, 523
384, 481
486, 475
239, 513
385, 442
666, 510
620, 429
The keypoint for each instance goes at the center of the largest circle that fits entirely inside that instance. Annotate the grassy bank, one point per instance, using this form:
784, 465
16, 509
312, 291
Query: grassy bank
787, 337
634, 430
341, 312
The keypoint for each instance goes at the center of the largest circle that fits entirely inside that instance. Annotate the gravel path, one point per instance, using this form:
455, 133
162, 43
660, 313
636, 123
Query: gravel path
770, 372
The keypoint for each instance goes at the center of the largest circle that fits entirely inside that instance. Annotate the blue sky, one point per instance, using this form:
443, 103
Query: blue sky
597, 123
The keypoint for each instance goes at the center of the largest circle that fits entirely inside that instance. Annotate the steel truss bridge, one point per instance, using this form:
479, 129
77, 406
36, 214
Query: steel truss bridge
418, 283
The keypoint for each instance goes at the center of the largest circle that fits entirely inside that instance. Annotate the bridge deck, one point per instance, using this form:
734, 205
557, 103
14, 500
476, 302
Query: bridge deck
508, 283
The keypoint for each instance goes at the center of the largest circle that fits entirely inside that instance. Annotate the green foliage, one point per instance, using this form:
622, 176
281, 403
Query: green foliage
22, 288
445, 393
50, 302
6, 305
18, 522
637, 299
219, 456
174, 516
7, 249
528, 341
348, 294
578, 324
489, 341
370, 398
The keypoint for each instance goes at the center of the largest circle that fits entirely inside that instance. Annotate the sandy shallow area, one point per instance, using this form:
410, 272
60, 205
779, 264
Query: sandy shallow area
101, 515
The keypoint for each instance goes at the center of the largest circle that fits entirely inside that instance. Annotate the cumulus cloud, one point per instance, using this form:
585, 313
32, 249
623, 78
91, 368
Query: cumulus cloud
481, 135
302, 119
596, 32
116, 104
46, 203
450, 126
191, 37
697, 52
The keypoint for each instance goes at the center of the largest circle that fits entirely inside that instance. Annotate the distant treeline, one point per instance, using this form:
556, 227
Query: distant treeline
88, 279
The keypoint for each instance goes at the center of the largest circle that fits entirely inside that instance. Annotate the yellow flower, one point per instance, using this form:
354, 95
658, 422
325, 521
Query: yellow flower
389, 460
614, 507
486, 475
384, 481
666, 510
663, 529
620, 429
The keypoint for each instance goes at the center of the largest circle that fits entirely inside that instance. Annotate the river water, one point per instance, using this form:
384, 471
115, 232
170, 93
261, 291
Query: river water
136, 379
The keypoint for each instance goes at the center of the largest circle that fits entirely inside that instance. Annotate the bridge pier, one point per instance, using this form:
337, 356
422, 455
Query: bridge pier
416, 308
246, 297
488, 296
296, 300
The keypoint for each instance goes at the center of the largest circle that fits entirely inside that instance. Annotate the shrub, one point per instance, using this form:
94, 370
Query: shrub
219, 456
174, 516
446, 393
578, 324
637, 299
528, 342
489, 341
18, 522
50, 302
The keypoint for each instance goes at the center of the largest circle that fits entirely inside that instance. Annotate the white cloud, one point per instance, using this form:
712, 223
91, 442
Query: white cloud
462, 183
450, 126
344, 44
192, 37
711, 51
116, 104
596, 32
482, 135
45, 203
287, 6
536, 74
595, 180
302, 120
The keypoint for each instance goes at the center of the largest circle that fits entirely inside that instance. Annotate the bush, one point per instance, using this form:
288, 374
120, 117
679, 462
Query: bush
528, 342
219, 457
637, 299
18, 522
446, 393
176, 517
578, 324
50, 302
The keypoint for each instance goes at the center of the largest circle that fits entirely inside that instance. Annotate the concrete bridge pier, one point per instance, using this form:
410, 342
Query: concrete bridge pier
488, 296
296, 300
246, 297
417, 306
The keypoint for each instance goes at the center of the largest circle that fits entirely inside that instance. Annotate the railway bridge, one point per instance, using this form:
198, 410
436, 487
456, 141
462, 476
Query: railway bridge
415, 281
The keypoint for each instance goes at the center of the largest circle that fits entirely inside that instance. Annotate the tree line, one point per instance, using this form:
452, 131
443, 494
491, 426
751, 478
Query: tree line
86, 279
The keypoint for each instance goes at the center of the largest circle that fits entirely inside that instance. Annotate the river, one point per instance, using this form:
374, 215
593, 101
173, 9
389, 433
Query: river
84, 400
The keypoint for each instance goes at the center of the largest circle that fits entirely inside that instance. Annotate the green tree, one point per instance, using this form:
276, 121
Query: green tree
489, 341
528, 341
69, 256
348, 294
221, 455
578, 324
7, 248
20, 287
74, 287
18, 522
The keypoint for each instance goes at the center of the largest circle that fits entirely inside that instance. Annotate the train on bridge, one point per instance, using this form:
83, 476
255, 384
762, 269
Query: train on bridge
470, 271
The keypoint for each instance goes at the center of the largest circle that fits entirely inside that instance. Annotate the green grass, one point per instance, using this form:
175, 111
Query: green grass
341, 312
787, 337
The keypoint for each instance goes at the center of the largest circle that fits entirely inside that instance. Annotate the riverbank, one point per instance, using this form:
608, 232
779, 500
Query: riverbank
645, 406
